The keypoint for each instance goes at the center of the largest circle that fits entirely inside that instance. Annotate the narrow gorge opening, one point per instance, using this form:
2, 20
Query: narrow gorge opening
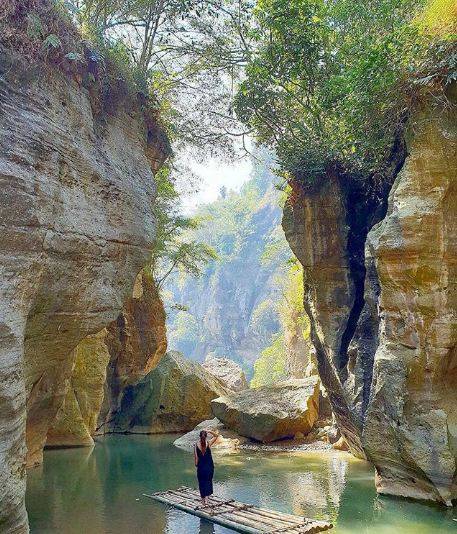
366, 205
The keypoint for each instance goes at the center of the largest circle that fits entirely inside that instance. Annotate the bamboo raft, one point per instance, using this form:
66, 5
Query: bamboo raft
239, 516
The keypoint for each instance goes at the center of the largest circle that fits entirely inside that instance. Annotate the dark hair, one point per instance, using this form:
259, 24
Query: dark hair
203, 434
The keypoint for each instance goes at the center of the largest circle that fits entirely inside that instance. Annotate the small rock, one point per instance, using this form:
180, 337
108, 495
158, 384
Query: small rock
227, 441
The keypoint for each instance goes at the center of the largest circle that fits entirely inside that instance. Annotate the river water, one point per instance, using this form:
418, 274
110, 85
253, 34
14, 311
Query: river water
100, 490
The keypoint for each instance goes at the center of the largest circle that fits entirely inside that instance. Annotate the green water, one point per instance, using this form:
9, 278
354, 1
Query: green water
99, 491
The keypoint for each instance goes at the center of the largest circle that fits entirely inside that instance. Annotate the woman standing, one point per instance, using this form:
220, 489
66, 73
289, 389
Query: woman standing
205, 465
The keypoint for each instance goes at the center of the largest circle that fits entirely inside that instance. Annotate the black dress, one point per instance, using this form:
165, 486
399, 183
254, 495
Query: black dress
205, 472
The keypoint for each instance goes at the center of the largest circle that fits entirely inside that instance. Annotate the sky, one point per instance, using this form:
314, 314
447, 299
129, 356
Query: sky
213, 174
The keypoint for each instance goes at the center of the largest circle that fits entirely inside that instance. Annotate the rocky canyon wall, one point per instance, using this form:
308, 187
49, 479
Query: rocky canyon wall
76, 420
106, 363
380, 271
136, 342
76, 188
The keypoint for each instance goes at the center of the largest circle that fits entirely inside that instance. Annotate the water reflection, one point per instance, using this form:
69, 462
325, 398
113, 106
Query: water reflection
206, 527
100, 491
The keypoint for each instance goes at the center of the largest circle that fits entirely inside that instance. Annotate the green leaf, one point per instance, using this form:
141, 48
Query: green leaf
52, 41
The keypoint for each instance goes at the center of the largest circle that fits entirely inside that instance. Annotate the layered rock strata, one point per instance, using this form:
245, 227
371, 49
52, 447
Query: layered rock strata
76, 190
410, 430
380, 272
136, 341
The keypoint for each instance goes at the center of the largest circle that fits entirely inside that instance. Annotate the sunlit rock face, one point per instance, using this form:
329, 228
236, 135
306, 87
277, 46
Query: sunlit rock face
380, 292
173, 397
132, 345
300, 360
410, 431
272, 412
77, 418
76, 191
136, 341
227, 371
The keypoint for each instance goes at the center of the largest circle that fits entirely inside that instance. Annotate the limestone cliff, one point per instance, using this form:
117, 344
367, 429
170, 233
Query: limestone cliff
410, 431
107, 362
76, 420
76, 188
136, 342
384, 320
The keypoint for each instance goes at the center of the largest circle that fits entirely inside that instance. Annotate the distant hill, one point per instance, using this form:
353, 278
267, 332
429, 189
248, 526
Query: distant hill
232, 309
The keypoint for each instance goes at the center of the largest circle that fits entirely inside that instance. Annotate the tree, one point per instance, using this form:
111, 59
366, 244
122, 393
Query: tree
171, 251
269, 368
187, 52
330, 84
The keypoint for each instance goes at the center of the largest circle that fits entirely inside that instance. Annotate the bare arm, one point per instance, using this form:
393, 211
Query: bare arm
215, 435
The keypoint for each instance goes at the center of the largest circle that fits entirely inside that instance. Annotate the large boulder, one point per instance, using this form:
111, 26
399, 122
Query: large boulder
228, 372
272, 412
174, 397
227, 441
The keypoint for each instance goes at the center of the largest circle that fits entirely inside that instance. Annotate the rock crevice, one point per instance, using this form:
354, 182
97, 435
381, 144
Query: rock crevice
379, 262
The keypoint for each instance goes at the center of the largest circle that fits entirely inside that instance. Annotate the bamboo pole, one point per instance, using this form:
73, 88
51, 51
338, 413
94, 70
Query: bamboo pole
253, 523
258, 519
249, 512
255, 520
219, 520
298, 519
280, 516
252, 517
271, 513
283, 517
